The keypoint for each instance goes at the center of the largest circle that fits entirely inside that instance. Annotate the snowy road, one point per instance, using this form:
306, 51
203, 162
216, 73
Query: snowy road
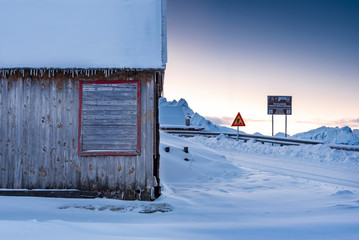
321, 172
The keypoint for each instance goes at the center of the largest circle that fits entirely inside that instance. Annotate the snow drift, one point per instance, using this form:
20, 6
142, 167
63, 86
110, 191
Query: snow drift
331, 135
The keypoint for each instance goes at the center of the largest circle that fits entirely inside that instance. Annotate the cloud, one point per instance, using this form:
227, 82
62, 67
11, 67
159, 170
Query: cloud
227, 121
221, 120
351, 122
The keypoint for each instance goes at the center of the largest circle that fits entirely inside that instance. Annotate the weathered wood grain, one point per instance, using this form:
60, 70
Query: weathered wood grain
3, 132
18, 146
39, 135
97, 95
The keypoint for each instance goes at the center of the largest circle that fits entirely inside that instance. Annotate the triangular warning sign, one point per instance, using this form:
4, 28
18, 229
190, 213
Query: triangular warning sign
238, 121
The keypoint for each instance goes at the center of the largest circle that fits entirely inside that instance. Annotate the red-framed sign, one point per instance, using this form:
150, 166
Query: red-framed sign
238, 121
109, 118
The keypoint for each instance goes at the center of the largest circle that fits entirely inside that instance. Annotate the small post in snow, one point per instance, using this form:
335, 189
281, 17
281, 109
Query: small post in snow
237, 133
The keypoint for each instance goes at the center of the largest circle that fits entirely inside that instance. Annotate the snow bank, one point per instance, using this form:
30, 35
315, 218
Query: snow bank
331, 135
173, 113
318, 153
198, 165
83, 34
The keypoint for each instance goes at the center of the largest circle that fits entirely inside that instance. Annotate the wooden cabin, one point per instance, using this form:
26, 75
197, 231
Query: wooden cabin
79, 89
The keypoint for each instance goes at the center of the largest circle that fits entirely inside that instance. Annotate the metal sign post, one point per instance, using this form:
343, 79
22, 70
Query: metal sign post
285, 134
272, 127
279, 105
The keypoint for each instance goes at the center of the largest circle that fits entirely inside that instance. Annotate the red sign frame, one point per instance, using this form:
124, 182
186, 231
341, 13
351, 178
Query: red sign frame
238, 121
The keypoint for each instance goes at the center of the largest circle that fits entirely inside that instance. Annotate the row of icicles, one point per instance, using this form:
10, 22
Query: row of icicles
51, 72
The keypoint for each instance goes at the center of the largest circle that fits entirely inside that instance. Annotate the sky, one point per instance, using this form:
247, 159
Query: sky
227, 56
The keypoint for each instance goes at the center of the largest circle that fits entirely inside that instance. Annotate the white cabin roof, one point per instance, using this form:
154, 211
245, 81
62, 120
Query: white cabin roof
129, 34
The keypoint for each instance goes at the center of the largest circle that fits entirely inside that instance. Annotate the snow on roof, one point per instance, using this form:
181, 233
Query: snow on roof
83, 34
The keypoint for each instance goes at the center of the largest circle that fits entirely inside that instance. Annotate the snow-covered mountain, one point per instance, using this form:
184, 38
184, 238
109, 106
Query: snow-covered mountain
174, 114
332, 135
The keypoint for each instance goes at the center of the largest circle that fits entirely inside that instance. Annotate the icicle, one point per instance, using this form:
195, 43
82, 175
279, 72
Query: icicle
23, 73
72, 72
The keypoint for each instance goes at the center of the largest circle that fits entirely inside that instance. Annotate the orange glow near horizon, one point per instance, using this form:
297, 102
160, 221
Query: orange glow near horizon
227, 57
214, 88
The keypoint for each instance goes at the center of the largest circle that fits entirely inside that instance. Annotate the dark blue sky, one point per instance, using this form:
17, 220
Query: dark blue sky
322, 29
306, 49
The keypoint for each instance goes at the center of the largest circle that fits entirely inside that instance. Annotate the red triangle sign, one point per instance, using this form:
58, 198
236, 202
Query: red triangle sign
238, 121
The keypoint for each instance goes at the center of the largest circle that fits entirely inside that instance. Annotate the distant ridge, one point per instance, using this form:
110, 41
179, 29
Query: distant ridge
174, 114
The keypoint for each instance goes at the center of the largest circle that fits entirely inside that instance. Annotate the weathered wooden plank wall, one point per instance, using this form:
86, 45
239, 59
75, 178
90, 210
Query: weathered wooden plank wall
39, 139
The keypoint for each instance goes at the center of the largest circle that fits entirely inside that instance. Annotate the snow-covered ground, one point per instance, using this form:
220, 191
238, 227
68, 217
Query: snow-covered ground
220, 189
226, 190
